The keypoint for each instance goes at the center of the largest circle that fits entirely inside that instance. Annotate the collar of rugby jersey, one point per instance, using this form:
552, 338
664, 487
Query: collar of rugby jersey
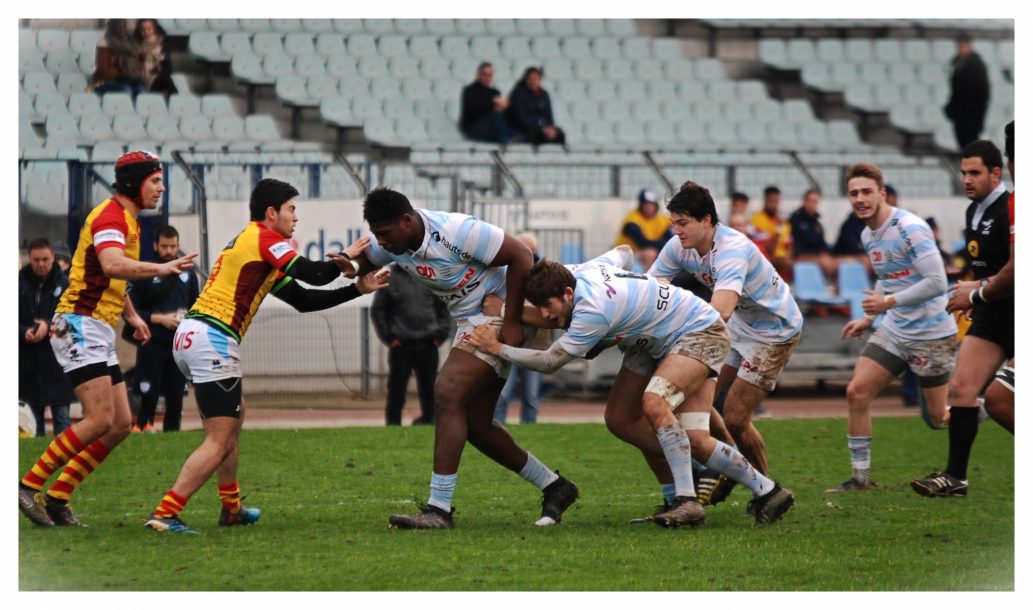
985, 203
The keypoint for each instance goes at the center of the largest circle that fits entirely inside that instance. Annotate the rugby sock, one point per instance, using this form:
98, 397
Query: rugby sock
170, 506
964, 424
61, 449
537, 473
442, 486
668, 490
675, 444
860, 456
729, 462
229, 495
78, 468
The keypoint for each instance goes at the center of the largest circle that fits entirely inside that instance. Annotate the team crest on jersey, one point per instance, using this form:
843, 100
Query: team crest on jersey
973, 248
987, 225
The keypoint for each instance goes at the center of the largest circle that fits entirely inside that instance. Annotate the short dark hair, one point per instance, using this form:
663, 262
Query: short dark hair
166, 231
987, 151
483, 65
384, 205
39, 242
547, 279
1009, 141
695, 201
813, 189
890, 191
740, 196
772, 190
270, 193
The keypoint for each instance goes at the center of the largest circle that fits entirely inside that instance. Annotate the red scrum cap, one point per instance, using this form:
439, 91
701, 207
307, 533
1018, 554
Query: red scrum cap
132, 169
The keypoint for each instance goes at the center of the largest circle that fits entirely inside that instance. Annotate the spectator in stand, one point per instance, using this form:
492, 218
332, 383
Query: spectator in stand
773, 234
482, 109
645, 229
530, 380
117, 61
737, 221
809, 236
970, 93
530, 111
155, 64
412, 323
953, 271
41, 382
739, 204
63, 256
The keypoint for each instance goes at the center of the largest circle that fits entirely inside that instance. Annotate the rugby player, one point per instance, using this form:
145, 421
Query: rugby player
258, 261
673, 345
916, 330
461, 260
82, 334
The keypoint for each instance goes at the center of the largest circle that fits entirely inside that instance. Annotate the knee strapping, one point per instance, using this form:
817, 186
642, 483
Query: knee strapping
666, 390
695, 421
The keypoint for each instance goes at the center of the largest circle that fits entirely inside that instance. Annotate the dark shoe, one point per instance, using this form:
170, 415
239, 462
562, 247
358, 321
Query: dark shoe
429, 518
556, 498
685, 510
423, 421
940, 484
712, 487
851, 484
30, 502
244, 516
771, 506
61, 514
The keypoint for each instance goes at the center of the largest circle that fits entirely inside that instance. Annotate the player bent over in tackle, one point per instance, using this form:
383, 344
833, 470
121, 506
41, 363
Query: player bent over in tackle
461, 259
206, 347
82, 335
916, 330
673, 344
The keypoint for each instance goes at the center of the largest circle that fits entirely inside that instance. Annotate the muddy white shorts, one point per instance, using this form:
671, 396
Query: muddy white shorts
204, 353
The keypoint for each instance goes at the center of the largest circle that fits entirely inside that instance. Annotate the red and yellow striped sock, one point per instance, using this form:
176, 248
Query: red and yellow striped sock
229, 495
78, 468
170, 506
63, 448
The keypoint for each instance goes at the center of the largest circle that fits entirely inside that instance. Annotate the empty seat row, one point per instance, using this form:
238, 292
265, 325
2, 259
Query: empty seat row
438, 26
794, 54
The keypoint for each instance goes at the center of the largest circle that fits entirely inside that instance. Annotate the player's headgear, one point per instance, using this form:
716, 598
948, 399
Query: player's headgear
132, 169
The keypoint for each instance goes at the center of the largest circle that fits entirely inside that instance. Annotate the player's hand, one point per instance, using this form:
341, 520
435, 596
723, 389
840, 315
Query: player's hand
168, 320
175, 267
492, 305
483, 338
39, 332
512, 334
373, 281
875, 303
348, 267
958, 294
141, 332
855, 328
357, 247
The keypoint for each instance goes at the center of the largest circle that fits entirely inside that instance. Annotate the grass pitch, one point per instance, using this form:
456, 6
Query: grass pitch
326, 496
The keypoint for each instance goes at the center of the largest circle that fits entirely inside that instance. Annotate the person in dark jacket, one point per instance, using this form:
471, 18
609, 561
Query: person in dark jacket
530, 111
41, 382
482, 107
808, 234
412, 322
970, 93
161, 302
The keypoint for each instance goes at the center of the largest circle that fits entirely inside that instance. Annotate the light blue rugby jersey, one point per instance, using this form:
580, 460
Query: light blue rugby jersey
453, 260
632, 309
893, 248
766, 311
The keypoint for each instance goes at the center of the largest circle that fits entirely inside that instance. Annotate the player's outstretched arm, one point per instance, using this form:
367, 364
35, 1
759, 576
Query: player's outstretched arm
352, 260
313, 299
115, 264
545, 361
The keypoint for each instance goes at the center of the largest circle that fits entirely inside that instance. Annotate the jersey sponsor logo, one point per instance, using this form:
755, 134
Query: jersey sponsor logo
426, 271
182, 341
917, 361
896, 275
987, 225
109, 235
450, 246
973, 248
876, 257
279, 249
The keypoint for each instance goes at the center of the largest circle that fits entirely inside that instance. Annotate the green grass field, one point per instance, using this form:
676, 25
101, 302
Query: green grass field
326, 496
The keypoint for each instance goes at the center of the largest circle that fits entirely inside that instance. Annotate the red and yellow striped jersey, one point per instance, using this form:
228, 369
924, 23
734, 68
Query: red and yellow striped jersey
244, 273
90, 292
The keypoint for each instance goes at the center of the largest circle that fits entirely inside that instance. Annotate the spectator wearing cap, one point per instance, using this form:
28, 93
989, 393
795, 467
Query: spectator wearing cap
645, 229
482, 109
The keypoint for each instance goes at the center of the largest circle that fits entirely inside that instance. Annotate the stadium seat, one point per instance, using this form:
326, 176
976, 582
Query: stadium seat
797, 111
676, 110
184, 105
258, 25
560, 27
384, 87
576, 47
666, 48
318, 87
30, 60
277, 64
500, 27
233, 43
71, 82
691, 133
108, 151
83, 103
429, 108
817, 76
342, 66
679, 69
648, 69
463, 69
117, 103
62, 61
298, 43
766, 110
348, 26
829, 50
84, 41
621, 27
613, 110
26, 39
545, 47
129, 127
403, 68
440, 27
809, 285
455, 47
515, 47
858, 50
445, 89
772, 52
588, 68
471, 27
52, 40
606, 47
813, 134
380, 130
261, 128
853, 280
722, 132
530, 27
95, 127
660, 132
309, 65
317, 26
196, 129
393, 45
398, 108
336, 111
380, 27
163, 127
590, 27
409, 27
888, 51
287, 25
247, 67
783, 134
331, 44
224, 25
292, 90
599, 133
267, 43
217, 104
423, 46
362, 45
736, 111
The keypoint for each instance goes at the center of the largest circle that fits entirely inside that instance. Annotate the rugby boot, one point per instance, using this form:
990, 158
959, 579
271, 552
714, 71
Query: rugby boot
940, 484
30, 502
685, 510
244, 516
771, 506
169, 524
429, 518
556, 498
61, 514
